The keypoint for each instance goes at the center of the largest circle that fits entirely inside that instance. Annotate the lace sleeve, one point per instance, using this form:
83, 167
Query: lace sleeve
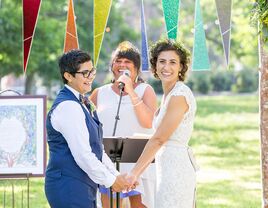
187, 93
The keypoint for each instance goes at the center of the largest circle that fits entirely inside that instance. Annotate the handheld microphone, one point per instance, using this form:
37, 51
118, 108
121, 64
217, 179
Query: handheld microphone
121, 85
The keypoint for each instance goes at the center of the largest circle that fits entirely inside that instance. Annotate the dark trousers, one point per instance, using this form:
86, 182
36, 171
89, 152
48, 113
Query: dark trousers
68, 192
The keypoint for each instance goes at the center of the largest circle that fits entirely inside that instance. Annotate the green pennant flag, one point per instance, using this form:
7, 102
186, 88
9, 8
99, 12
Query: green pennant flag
171, 13
200, 53
101, 13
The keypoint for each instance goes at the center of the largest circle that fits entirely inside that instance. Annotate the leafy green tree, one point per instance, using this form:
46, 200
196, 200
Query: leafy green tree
118, 30
222, 80
246, 81
10, 33
49, 37
46, 46
202, 83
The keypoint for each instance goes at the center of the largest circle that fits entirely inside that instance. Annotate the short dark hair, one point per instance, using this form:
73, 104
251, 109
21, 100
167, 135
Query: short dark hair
170, 45
127, 50
71, 61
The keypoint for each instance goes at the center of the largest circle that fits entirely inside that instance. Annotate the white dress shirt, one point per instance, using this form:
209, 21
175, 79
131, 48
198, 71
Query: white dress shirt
68, 118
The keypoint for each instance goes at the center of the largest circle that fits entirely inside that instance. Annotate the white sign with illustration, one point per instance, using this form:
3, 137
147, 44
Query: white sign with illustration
22, 135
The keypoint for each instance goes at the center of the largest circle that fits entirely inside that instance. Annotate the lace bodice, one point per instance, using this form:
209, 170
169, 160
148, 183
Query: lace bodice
183, 132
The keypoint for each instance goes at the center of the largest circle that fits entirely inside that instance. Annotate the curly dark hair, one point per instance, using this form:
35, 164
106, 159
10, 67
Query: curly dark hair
170, 45
70, 62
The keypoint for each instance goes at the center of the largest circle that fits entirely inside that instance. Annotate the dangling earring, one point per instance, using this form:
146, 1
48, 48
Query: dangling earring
137, 79
179, 75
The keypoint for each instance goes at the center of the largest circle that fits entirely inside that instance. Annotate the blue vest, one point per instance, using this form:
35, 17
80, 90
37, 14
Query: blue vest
61, 161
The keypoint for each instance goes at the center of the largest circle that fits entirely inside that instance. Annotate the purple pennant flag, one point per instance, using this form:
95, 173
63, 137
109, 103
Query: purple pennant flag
144, 42
224, 15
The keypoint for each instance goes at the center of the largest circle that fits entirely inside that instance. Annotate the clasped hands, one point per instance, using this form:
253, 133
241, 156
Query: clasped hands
125, 182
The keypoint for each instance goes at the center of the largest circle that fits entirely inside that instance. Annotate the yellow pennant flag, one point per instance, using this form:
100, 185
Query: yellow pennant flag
101, 13
71, 39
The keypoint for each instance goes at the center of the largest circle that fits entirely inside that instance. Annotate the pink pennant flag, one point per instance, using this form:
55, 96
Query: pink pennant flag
30, 13
71, 39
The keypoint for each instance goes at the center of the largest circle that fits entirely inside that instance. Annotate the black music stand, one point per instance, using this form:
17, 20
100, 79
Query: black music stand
123, 150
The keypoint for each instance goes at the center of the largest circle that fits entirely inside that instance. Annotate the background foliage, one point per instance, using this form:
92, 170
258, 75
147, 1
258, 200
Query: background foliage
123, 24
259, 14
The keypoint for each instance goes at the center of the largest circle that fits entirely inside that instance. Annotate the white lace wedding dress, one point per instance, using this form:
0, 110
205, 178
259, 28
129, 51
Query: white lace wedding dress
176, 179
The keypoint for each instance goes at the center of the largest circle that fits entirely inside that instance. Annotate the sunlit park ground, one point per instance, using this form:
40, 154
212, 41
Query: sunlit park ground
226, 143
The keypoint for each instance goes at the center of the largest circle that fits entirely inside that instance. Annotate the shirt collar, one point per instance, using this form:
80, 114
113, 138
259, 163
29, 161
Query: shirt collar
76, 93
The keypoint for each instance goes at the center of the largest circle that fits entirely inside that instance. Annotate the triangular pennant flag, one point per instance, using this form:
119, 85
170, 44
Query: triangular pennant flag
200, 53
101, 13
144, 43
224, 9
171, 14
71, 39
30, 13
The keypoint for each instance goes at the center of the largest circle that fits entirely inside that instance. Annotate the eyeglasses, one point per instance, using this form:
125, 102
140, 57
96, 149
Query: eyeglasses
87, 73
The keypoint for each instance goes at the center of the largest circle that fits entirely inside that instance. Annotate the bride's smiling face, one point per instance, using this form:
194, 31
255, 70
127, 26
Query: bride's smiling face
168, 66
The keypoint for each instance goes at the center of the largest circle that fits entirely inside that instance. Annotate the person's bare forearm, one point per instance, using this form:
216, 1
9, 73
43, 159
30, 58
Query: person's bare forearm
144, 115
147, 156
143, 112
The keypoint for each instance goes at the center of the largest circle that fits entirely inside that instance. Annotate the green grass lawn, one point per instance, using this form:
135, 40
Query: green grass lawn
226, 144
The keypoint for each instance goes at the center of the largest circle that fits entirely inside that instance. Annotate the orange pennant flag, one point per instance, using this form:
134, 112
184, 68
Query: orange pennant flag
71, 39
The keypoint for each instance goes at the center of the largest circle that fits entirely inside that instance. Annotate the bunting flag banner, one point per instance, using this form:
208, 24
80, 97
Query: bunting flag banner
224, 10
71, 39
144, 42
200, 53
30, 15
101, 13
171, 14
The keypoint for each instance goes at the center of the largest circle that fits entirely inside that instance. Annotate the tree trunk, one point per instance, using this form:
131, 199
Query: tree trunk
29, 84
264, 119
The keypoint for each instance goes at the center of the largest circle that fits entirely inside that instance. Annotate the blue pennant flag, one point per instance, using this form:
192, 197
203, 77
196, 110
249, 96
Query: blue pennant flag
144, 43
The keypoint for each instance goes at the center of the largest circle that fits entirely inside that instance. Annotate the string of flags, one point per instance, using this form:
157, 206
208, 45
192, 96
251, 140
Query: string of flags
171, 11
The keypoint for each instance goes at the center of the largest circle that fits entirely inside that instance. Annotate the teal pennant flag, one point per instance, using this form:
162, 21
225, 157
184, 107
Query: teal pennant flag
171, 14
200, 53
